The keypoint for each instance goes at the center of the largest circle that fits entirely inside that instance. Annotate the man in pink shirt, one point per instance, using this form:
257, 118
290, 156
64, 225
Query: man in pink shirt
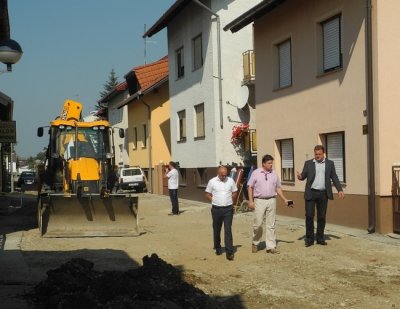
263, 186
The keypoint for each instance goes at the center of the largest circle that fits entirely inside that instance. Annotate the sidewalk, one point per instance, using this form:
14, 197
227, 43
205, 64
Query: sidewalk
390, 238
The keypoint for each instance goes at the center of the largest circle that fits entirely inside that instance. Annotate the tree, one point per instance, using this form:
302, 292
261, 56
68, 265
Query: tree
111, 83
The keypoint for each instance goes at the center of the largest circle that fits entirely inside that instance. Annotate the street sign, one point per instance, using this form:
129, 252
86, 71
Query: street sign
8, 132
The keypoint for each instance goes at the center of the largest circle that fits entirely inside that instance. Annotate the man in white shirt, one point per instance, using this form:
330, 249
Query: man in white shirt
173, 184
221, 191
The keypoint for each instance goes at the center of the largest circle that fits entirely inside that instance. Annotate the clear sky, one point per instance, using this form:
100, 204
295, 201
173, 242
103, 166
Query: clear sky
70, 47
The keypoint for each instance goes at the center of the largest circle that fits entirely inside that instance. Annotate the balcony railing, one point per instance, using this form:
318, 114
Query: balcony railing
249, 67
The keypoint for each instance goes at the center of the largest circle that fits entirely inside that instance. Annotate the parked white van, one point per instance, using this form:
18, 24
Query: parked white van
132, 178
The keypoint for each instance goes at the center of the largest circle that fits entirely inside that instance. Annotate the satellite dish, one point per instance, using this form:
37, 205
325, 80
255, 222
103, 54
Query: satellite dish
242, 97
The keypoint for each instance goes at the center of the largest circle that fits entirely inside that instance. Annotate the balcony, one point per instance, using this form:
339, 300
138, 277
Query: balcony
249, 68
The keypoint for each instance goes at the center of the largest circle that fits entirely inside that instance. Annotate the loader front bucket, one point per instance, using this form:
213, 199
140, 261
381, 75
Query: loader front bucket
88, 216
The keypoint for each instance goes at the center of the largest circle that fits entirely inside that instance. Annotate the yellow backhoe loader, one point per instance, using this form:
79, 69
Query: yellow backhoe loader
75, 197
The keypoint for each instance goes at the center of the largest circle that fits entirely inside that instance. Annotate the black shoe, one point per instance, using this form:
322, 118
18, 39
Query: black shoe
308, 243
230, 257
218, 251
322, 242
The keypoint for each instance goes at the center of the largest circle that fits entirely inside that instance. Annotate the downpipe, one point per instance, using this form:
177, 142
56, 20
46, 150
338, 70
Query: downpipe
370, 121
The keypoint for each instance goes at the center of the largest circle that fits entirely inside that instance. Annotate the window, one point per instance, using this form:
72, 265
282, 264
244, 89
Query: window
199, 116
135, 137
121, 149
197, 52
335, 152
287, 157
144, 135
202, 177
115, 115
182, 177
180, 66
182, 126
331, 44
285, 64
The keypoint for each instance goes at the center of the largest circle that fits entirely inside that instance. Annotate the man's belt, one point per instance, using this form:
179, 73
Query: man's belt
317, 190
216, 206
264, 198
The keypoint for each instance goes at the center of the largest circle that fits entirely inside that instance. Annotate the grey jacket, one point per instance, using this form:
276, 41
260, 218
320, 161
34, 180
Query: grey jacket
330, 174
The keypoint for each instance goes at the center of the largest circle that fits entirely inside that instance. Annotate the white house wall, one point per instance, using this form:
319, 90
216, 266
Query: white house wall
119, 118
201, 86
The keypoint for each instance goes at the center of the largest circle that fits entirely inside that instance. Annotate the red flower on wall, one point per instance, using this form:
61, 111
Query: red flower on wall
238, 133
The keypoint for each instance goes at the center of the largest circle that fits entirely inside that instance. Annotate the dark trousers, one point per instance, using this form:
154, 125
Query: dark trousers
223, 215
173, 195
319, 200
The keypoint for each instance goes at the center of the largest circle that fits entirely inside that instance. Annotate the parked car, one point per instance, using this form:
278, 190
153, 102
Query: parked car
132, 178
27, 181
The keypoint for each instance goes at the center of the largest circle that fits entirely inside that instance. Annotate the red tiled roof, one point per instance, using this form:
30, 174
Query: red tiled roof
150, 74
121, 86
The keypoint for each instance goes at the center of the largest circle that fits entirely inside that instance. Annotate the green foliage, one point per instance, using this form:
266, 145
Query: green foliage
32, 162
111, 83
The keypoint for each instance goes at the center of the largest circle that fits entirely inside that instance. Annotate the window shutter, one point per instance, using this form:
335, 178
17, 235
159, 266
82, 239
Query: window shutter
335, 153
285, 66
331, 33
200, 120
197, 52
287, 153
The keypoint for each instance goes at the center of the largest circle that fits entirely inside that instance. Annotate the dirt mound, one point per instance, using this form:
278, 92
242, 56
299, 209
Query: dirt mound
156, 284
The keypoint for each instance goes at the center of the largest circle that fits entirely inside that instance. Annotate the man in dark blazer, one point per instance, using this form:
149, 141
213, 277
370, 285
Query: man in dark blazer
319, 173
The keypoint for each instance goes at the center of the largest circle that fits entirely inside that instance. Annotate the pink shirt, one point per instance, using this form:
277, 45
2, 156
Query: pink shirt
263, 187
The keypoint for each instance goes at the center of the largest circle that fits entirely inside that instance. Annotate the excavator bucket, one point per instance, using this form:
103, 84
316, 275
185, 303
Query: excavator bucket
88, 216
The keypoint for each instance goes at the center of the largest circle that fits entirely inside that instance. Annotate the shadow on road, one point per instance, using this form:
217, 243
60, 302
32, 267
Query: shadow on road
85, 278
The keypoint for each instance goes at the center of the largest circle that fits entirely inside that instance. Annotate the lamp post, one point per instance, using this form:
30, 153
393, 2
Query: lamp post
10, 53
10, 50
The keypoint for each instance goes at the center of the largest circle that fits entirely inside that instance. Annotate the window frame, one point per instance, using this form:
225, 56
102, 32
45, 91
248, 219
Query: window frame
343, 154
180, 63
290, 171
181, 125
197, 63
323, 25
198, 124
201, 177
144, 135
135, 138
182, 177
279, 77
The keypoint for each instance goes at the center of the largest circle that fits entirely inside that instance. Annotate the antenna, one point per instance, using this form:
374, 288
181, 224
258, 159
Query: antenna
145, 44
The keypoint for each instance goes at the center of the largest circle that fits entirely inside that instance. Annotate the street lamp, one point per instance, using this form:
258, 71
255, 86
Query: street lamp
10, 52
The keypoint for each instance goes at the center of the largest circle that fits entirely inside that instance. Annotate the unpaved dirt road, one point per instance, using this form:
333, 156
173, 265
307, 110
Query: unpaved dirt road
355, 270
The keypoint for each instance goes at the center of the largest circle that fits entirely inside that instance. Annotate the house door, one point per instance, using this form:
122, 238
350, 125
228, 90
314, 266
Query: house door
396, 198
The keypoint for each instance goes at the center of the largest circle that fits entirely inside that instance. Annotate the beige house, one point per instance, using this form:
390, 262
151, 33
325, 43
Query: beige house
148, 136
326, 74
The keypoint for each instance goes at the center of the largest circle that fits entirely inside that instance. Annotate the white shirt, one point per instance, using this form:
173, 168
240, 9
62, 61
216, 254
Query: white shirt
319, 181
173, 179
221, 191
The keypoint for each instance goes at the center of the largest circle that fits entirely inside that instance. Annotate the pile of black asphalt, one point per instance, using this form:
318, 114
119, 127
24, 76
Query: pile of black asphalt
156, 284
